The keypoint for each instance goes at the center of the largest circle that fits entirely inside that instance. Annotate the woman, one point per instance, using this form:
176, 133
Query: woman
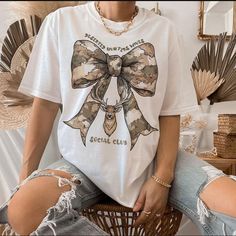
115, 70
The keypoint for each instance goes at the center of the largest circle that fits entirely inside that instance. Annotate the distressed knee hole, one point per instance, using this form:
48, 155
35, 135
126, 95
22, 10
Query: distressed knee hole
211, 197
63, 174
39, 190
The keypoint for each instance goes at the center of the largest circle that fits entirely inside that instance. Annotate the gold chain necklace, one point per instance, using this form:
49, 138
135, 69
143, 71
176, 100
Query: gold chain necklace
109, 29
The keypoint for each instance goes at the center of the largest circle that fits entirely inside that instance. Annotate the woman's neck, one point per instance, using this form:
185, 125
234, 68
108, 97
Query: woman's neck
117, 10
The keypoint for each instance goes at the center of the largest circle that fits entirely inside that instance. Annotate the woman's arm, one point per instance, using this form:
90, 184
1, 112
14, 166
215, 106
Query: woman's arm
153, 196
37, 134
167, 147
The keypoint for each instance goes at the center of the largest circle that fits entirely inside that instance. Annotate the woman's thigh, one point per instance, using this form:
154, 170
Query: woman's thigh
85, 191
192, 176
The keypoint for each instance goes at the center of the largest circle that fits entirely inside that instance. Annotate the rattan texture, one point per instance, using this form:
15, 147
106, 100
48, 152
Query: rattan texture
227, 123
118, 220
225, 144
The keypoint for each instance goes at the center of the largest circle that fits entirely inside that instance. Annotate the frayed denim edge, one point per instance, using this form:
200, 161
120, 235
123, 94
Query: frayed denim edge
63, 203
202, 210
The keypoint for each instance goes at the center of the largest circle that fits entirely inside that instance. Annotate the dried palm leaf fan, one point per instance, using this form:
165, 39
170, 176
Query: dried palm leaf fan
213, 70
15, 107
17, 45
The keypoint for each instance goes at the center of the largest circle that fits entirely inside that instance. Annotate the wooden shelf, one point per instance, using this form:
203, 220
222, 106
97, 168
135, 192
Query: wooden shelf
228, 166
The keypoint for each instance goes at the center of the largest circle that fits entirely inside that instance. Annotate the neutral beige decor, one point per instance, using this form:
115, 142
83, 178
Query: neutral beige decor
214, 72
17, 45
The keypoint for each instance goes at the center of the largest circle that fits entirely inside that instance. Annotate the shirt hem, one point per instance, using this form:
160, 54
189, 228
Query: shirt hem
179, 111
39, 94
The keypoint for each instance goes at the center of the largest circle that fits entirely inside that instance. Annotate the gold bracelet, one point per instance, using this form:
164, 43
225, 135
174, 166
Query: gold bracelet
161, 182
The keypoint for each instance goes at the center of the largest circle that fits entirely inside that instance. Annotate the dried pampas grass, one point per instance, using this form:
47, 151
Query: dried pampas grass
213, 70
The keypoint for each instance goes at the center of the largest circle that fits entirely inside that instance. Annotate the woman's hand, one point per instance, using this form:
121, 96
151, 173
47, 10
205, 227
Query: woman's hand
152, 198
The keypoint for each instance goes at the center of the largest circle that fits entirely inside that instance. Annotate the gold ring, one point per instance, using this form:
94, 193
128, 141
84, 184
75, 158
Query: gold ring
147, 213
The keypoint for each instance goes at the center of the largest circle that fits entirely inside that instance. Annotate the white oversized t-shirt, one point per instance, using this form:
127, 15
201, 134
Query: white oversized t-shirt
112, 90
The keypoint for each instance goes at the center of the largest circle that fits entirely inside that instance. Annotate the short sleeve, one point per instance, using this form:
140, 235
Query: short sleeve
177, 98
42, 74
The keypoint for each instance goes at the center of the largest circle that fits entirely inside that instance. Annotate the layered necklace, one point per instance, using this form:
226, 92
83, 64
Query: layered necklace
117, 33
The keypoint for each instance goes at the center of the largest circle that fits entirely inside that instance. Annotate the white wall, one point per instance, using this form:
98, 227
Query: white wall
229, 21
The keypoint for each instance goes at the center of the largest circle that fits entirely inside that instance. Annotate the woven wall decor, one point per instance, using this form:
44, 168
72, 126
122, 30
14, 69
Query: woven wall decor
16, 46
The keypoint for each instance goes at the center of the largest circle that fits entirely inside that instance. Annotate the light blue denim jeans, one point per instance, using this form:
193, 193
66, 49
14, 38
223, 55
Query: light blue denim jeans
192, 175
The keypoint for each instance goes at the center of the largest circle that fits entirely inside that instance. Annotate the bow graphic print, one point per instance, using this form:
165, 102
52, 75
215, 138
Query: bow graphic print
137, 70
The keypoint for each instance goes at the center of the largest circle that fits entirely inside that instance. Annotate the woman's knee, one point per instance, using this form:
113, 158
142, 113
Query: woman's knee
29, 205
214, 199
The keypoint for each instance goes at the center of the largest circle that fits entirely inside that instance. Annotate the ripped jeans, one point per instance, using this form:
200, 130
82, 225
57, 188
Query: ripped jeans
192, 175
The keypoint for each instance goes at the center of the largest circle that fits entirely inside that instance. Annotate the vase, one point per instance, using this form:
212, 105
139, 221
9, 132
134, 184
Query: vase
206, 122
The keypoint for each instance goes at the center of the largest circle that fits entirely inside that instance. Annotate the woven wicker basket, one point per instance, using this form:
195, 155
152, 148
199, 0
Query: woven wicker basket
227, 123
225, 144
2, 227
118, 220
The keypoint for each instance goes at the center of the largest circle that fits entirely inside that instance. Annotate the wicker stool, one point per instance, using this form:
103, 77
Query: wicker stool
118, 220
